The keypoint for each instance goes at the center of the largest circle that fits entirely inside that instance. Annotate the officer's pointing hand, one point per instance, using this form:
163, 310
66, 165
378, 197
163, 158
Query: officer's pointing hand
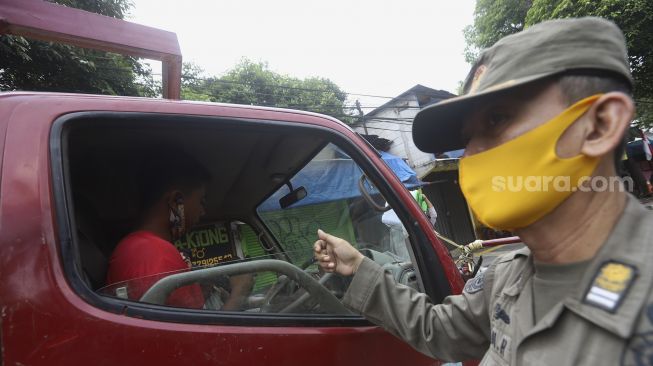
334, 254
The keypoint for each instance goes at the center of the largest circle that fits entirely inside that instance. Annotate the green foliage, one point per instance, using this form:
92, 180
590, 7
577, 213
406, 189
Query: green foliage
46, 66
112, 8
494, 19
192, 83
644, 118
254, 83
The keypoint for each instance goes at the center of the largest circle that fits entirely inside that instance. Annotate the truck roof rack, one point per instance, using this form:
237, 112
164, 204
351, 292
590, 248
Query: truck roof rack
51, 22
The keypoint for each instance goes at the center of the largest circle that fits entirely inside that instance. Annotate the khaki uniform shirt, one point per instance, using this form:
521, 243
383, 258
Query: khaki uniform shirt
607, 320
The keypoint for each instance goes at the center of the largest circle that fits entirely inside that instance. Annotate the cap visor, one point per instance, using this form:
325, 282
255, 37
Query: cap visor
438, 127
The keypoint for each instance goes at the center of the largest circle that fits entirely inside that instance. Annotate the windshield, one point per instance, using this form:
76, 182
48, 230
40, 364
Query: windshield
333, 203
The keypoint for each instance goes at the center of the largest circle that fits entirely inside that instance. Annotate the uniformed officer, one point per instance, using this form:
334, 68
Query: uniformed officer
543, 116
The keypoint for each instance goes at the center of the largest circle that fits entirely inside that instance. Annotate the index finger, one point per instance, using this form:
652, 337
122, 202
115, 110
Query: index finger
326, 237
319, 245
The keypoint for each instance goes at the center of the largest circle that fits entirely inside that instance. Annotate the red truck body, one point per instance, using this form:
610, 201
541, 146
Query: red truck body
46, 322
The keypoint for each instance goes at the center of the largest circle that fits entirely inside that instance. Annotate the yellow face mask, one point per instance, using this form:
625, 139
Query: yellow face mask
516, 183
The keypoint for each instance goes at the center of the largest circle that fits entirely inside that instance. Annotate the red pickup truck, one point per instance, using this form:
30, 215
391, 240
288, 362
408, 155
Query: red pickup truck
68, 167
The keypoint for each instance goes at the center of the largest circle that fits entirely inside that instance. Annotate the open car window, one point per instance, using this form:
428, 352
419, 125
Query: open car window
272, 188
282, 278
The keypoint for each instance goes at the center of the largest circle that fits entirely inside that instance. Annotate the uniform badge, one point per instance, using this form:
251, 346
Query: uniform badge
610, 285
475, 284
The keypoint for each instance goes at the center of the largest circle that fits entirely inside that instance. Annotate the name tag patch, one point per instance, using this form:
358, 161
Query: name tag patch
610, 285
500, 343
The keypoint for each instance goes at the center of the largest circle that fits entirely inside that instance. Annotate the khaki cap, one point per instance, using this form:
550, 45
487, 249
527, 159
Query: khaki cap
546, 49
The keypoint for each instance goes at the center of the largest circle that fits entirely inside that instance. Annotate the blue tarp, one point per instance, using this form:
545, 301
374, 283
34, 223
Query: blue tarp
406, 175
336, 179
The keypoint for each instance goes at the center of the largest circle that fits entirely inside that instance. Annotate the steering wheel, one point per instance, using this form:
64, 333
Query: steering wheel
282, 282
304, 297
161, 290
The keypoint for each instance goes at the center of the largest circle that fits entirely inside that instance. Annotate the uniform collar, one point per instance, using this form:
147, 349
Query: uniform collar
515, 286
628, 243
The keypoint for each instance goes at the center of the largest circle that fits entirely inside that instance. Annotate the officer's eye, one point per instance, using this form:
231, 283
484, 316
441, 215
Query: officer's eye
495, 119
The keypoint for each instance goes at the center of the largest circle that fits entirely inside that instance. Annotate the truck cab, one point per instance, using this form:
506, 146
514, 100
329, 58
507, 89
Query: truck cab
68, 195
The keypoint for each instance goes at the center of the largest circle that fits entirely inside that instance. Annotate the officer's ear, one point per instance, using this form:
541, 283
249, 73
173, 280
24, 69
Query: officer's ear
605, 123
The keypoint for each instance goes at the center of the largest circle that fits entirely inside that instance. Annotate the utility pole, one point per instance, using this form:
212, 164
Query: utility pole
360, 116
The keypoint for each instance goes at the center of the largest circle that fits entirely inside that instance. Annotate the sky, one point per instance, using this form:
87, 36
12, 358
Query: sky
373, 47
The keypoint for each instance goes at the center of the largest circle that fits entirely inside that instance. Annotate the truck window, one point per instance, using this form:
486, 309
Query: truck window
334, 203
251, 251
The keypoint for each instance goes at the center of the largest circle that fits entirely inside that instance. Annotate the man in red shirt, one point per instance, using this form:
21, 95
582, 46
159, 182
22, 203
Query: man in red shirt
141, 259
172, 191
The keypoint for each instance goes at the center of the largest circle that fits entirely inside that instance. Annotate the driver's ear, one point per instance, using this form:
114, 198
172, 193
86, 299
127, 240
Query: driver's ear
174, 199
606, 122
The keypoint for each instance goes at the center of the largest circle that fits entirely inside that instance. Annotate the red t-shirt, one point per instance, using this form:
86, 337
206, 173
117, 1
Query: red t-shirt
142, 258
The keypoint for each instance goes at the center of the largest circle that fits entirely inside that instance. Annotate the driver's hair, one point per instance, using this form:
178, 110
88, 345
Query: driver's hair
163, 169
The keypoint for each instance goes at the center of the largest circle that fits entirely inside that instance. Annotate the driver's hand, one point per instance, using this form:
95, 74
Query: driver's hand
334, 254
241, 284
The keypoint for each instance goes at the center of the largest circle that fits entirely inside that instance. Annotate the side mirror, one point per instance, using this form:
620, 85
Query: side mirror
293, 197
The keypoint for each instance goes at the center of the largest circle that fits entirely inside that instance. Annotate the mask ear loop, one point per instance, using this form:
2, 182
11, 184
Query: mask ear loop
578, 109
177, 218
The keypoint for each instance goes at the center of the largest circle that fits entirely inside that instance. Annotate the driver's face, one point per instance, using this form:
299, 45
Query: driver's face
194, 207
